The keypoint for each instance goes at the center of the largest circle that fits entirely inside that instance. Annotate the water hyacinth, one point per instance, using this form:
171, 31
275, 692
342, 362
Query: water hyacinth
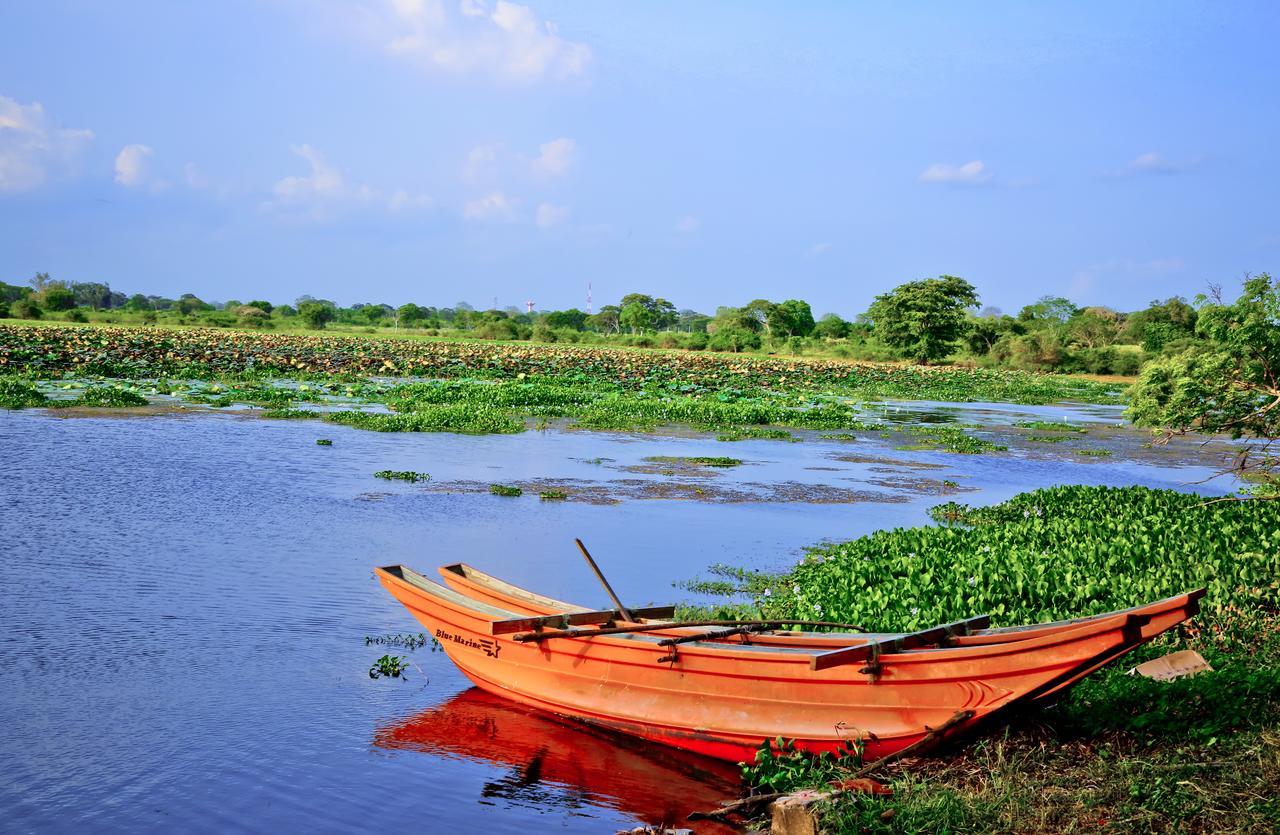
1054, 553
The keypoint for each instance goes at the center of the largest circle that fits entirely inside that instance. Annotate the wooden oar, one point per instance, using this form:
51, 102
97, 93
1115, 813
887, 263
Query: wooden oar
600, 576
547, 634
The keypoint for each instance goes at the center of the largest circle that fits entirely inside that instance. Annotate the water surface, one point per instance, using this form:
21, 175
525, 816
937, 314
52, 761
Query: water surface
186, 598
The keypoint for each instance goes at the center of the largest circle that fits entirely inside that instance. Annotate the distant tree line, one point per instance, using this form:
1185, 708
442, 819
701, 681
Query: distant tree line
925, 321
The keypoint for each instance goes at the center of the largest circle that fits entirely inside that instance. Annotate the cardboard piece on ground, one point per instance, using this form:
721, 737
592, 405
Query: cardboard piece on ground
1186, 662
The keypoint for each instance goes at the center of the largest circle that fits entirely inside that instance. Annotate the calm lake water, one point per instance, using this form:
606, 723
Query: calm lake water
185, 598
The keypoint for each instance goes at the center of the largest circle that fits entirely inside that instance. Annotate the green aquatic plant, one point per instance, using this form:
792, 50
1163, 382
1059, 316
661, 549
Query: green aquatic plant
552, 495
1045, 555
779, 767
323, 442
1046, 439
402, 475
109, 397
1095, 453
290, 414
505, 490
1050, 426
457, 417
945, 438
745, 433
695, 460
408, 640
389, 666
16, 393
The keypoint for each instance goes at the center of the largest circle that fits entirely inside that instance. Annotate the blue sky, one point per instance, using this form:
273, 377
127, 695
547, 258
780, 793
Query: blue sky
710, 153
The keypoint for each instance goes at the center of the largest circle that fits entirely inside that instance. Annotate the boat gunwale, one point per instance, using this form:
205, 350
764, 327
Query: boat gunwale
1186, 598
647, 643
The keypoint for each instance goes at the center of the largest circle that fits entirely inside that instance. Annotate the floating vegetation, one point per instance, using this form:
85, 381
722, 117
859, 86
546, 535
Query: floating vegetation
459, 417
402, 475
290, 414
107, 397
695, 460
744, 433
16, 393
949, 439
323, 442
408, 640
1044, 555
1050, 426
552, 495
838, 436
204, 353
1094, 453
505, 490
1046, 439
389, 666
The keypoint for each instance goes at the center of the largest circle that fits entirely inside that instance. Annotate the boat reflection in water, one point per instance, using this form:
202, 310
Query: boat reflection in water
560, 764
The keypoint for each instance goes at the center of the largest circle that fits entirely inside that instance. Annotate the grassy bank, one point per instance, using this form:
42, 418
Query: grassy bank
1119, 753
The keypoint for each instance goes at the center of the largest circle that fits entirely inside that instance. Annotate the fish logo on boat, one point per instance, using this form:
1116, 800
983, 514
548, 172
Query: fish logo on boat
486, 645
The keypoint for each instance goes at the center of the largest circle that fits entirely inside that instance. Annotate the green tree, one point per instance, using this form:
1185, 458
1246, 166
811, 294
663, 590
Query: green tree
1094, 327
831, 326
92, 294
923, 319
571, 319
790, 318
265, 307
983, 332
57, 296
1049, 310
635, 317
1227, 384
661, 313
410, 314
317, 314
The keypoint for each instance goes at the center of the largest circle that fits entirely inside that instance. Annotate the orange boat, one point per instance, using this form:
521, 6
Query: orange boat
721, 694
556, 764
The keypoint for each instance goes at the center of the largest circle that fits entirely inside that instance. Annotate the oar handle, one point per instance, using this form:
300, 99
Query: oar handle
600, 576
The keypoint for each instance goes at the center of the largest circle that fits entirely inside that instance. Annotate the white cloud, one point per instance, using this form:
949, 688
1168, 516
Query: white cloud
688, 224
493, 206
482, 163
133, 168
549, 215
969, 174
1153, 162
325, 192
555, 157
505, 40
817, 249
194, 176
32, 149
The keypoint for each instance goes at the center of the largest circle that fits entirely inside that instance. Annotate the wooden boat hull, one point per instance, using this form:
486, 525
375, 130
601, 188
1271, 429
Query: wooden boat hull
1163, 615
723, 699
